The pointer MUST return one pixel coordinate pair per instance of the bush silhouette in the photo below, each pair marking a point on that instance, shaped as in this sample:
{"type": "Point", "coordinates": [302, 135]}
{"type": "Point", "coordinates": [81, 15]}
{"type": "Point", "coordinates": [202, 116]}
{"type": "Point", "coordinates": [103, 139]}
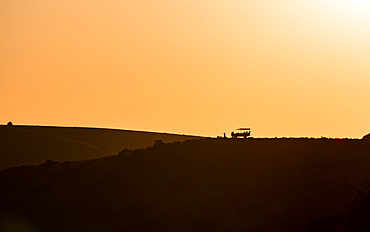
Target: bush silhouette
{"type": "Point", "coordinates": [366, 137]}
{"type": "Point", "coordinates": [356, 220]}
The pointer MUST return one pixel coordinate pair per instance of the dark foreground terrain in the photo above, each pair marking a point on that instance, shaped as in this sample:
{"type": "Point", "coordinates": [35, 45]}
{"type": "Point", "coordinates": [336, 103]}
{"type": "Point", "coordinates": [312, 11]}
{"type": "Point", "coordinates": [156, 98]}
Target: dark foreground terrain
{"type": "Point", "coordinates": [21, 145]}
{"type": "Point", "coordinates": [197, 185]}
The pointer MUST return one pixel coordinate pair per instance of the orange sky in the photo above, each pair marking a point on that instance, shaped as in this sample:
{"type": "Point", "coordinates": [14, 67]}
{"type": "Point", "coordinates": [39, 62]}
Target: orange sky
{"type": "Point", "coordinates": [283, 68]}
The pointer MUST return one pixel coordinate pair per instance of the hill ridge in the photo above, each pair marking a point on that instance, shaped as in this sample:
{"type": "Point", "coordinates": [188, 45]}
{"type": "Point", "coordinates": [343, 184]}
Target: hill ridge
{"type": "Point", "coordinates": [34, 144]}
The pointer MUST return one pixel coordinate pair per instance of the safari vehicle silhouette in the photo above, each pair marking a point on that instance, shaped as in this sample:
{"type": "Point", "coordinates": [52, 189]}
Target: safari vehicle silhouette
{"type": "Point", "coordinates": [241, 132]}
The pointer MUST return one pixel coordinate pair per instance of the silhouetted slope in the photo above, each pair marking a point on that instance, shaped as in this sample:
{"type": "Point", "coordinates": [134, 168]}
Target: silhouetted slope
{"type": "Point", "coordinates": [199, 185]}
{"type": "Point", "coordinates": [35, 144]}
{"type": "Point", "coordinates": [110, 139]}
{"type": "Point", "coordinates": [22, 147]}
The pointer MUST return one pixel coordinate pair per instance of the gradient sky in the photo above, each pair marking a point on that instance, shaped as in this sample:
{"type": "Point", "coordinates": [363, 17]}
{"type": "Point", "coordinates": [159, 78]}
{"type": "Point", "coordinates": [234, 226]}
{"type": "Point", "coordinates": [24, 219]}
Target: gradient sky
{"type": "Point", "coordinates": [283, 68]}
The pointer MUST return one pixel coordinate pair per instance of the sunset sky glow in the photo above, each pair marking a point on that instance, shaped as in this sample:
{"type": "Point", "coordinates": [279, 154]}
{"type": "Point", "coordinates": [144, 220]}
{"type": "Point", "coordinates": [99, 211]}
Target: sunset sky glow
{"type": "Point", "coordinates": [283, 68]}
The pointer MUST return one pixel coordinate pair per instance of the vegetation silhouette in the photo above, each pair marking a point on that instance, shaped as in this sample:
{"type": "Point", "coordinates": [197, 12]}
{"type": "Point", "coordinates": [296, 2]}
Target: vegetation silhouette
{"type": "Point", "coordinates": [195, 185]}
{"type": "Point", "coordinates": [355, 220]}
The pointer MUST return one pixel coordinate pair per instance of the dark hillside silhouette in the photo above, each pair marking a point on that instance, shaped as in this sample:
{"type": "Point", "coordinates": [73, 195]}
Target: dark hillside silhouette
{"type": "Point", "coordinates": [367, 137]}
{"type": "Point", "coordinates": [34, 144]}
{"type": "Point", "coordinates": [198, 185]}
